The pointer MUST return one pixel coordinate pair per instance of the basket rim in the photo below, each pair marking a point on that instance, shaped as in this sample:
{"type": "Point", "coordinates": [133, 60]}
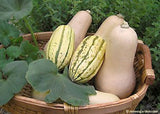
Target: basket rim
{"type": "Point", "coordinates": [127, 100]}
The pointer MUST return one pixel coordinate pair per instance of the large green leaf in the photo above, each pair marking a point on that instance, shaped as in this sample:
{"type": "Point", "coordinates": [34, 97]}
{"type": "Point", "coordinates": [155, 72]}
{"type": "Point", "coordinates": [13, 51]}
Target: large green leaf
{"type": "Point", "coordinates": [7, 31]}
{"type": "Point", "coordinates": [13, 80]}
{"type": "Point", "coordinates": [15, 8]}
{"type": "Point", "coordinates": [43, 75]}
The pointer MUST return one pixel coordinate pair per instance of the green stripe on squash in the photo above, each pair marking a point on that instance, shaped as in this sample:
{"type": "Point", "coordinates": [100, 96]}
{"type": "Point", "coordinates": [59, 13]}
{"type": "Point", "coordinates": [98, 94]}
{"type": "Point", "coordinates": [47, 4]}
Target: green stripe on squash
{"type": "Point", "coordinates": [70, 47]}
{"type": "Point", "coordinates": [85, 56]}
{"type": "Point", "coordinates": [91, 73]}
{"type": "Point", "coordinates": [60, 44]}
{"type": "Point", "coordinates": [86, 79]}
{"type": "Point", "coordinates": [74, 60]}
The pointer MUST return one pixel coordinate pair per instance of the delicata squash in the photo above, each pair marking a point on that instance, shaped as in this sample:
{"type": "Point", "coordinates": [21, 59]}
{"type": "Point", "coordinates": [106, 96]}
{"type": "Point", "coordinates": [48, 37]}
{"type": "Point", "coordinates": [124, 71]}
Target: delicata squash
{"type": "Point", "coordinates": [61, 46]}
{"type": "Point", "coordinates": [87, 59]}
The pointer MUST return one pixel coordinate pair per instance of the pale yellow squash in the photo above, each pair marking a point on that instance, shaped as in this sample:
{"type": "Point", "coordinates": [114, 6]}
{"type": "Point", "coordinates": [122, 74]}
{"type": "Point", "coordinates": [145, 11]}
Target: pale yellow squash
{"type": "Point", "coordinates": [39, 95]}
{"type": "Point", "coordinates": [102, 97]}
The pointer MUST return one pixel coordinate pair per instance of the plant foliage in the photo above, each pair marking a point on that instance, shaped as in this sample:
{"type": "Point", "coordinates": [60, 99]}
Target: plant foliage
{"type": "Point", "coordinates": [12, 80]}
{"type": "Point", "coordinates": [7, 31]}
{"type": "Point", "coordinates": [43, 76]}
{"type": "Point", "coordinates": [15, 8]}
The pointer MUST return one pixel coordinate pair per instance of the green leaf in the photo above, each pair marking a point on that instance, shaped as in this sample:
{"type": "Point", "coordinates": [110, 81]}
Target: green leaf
{"type": "Point", "coordinates": [13, 52]}
{"type": "Point", "coordinates": [158, 106]}
{"type": "Point", "coordinates": [3, 58]}
{"type": "Point", "coordinates": [16, 41]}
{"type": "Point", "coordinates": [29, 51]}
{"type": "Point", "coordinates": [7, 31]}
{"type": "Point", "coordinates": [15, 74]}
{"type": "Point", "coordinates": [2, 53]}
{"type": "Point", "coordinates": [3, 62]}
{"type": "Point", "coordinates": [0, 75]}
{"type": "Point", "coordinates": [15, 8]}
{"type": "Point", "coordinates": [65, 72]}
{"type": "Point", "coordinates": [43, 75]}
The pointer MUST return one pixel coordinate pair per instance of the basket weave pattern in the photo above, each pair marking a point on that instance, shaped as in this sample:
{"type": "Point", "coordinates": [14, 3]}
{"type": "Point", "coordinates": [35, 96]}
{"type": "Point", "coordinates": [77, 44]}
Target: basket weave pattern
{"type": "Point", "coordinates": [22, 103]}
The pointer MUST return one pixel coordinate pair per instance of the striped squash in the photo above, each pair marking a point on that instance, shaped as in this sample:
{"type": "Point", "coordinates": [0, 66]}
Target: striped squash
{"type": "Point", "coordinates": [60, 47]}
{"type": "Point", "coordinates": [87, 59]}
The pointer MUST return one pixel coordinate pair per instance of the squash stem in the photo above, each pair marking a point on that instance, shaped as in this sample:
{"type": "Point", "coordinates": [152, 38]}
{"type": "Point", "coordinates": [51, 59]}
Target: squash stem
{"type": "Point", "coordinates": [125, 25]}
{"type": "Point", "coordinates": [120, 16]}
{"type": "Point", "coordinates": [30, 30]}
{"type": "Point", "coordinates": [88, 11]}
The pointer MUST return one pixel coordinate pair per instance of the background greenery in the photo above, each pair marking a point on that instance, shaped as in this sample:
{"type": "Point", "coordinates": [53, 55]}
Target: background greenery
{"type": "Point", "coordinates": [142, 15]}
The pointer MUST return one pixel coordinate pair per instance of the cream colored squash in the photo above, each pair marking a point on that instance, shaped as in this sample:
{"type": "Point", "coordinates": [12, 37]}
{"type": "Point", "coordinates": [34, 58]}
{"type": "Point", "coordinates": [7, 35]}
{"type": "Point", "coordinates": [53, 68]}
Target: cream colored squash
{"type": "Point", "coordinates": [39, 95]}
{"type": "Point", "coordinates": [80, 24]}
{"type": "Point", "coordinates": [102, 97]}
{"type": "Point", "coordinates": [117, 73]}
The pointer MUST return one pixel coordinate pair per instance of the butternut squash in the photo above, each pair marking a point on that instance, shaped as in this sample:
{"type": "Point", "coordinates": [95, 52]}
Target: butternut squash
{"type": "Point", "coordinates": [80, 24]}
{"type": "Point", "coordinates": [107, 26]}
{"type": "Point", "coordinates": [117, 75]}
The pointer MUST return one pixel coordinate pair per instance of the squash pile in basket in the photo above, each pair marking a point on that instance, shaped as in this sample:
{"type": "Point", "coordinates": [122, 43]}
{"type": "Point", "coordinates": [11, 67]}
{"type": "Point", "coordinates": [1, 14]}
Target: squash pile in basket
{"type": "Point", "coordinates": [108, 56]}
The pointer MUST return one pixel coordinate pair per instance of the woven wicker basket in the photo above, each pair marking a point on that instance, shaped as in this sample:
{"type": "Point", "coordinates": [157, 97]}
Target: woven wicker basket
{"type": "Point", "coordinates": [24, 104]}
